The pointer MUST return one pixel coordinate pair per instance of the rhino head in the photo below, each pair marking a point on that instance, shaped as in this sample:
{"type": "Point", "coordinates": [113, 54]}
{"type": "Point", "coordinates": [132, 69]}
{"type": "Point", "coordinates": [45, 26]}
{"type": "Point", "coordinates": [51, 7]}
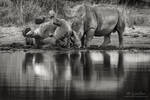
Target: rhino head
{"type": "Point", "coordinates": [77, 15]}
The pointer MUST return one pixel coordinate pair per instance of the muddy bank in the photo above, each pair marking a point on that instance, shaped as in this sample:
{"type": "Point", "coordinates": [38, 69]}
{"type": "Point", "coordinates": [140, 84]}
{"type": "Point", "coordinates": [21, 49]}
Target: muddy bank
{"type": "Point", "coordinates": [139, 38]}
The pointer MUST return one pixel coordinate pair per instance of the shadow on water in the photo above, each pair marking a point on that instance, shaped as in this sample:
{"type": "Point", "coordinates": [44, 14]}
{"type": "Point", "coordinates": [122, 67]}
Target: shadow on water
{"type": "Point", "coordinates": [74, 75]}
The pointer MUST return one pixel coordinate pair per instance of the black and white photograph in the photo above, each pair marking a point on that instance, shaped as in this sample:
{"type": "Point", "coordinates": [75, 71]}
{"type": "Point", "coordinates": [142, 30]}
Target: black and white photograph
{"type": "Point", "coordinates": [74, 49]}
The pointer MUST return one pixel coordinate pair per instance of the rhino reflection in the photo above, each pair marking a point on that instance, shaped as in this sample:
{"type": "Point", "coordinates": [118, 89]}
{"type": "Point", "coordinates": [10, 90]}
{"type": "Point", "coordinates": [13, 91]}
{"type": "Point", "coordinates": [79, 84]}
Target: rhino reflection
{"type": "Point", "coordinates": [74, 74]}
{"type": "Point", "coordinates": [98, 73]}
{"type": "Point", "coordinates": [63, 67]}
{"type": "Point", "coordinates": [76, 65]}
{"type": "Point", "coordinates": [48, 66]}
{"type": "Point", "coordinates": [108, 62]}
{"type": "Point", "coordinates": [27, 61]}
{"type": "Point", "coordinates": [106, 58]}
{"type": "Point", "coordinates": [87, 66]}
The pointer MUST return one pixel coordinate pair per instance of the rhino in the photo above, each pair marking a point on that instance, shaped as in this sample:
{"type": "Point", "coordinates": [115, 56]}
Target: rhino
{"type": "Point", "coordinates": [43, 31]}
{"type": "Point", "coordinates": [56, 32]}
{"type": "Point", "coordinates": [96, 20]}
{"type": "Point", "coordinates": [63, 36]}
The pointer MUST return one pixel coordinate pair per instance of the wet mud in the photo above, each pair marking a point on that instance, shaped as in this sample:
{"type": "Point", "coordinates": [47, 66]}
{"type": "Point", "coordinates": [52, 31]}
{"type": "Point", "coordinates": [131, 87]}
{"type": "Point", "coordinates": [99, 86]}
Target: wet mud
{"type": "Point", "coordinates": [11, 39]}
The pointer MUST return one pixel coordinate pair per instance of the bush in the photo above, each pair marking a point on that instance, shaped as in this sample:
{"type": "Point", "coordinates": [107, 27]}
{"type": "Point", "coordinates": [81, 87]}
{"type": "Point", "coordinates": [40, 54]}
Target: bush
{"type": "Point", "coordinates": [5, 3]}
{"type": "Point", "coordinates": [29, 11]}
{"type": "Point", "coordinates": [20, 12]}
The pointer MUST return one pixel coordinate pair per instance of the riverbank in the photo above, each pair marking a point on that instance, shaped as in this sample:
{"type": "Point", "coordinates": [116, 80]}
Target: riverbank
{"type": "Point", "coordinates": [139, 38]}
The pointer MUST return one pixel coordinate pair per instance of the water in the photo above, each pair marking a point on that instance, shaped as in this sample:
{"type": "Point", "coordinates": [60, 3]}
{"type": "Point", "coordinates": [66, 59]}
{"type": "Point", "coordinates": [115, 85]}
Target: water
{"type": "Point", "coordinates": [74, 75]}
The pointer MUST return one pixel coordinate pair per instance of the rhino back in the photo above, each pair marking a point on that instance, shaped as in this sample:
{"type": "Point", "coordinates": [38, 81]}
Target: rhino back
{"type": "Point", "coordinates": [107, 18]}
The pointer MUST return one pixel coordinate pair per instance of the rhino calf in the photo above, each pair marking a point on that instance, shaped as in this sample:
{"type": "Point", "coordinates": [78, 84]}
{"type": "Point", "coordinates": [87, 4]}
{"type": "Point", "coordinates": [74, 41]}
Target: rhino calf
{"type": "Point", "coordinates": [43, 31]}
{"type": "Point", "coordinates": [57, 32]}
{"type": "Point", "coordinates": [62, 36]}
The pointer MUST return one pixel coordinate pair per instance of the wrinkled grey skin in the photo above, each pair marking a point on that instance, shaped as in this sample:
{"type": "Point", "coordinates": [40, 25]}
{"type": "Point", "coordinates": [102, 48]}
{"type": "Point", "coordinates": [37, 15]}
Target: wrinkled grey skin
{"type": "Point", "coordinates": [90, 21]}
{"type": "Point", "coordinates": [56, 32]}
{"type": "Point", "coordinates": [45, 30]}
{"type": "Point", "coordinates": [62, 35]}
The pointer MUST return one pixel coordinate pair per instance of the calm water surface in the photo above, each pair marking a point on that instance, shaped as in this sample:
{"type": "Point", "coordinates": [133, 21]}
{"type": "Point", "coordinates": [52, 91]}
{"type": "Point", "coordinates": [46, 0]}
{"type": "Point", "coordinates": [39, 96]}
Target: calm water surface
{"type": "Point", "coordinates": [74, 75]}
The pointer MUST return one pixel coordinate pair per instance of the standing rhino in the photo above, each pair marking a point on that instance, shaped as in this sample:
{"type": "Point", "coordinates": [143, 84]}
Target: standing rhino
{"type": "Point", "coordinates": [90, 21]}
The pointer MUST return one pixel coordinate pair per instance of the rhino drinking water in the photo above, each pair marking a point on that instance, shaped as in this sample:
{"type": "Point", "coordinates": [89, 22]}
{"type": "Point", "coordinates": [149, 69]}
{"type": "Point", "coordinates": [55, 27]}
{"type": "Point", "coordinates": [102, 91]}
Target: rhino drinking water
{"type": "Point", "coordinates": [43, 31]}
{"type": "Point", "coordinates": [62, 35]}
{"type": "Point", "coordinates": [48, 32]}
{"type": "Point", "coordinates": [55, 33]}
{"type": "Point", "coordinates": [90, 21]}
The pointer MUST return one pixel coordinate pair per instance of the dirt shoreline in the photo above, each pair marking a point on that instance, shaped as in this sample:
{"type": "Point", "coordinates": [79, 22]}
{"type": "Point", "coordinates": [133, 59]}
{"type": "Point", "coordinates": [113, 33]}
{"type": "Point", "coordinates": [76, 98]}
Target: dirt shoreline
{"type": "Point", "coordinates": [139, 39]}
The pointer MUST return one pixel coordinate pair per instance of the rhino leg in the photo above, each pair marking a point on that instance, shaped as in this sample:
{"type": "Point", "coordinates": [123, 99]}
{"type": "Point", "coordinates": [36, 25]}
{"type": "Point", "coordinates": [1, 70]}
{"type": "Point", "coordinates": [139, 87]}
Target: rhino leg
{"type": "Point", "coordinates": [106, 40]}
{"type": "Point", "coordinates": [120, 27]}
{"type": "Point", "coordinates": [83, 41]}
{"type": "Point", "coordinates": [120, 30]}
{"type": "Point", "coordinates": [89, 37]}
{"type": "Point", "coordinates": [120, 39]}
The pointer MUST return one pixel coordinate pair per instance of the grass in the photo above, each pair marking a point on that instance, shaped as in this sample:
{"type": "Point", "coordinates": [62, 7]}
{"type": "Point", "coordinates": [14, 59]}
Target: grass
{"type": "Point", "coordinates": [21, 12]}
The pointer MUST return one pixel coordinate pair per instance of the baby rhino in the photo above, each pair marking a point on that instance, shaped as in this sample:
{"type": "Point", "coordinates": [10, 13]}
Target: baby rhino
{"type": "Point", "coordinates": [63, 35]}
{"type": "Point", "coordinates": [43, 31]}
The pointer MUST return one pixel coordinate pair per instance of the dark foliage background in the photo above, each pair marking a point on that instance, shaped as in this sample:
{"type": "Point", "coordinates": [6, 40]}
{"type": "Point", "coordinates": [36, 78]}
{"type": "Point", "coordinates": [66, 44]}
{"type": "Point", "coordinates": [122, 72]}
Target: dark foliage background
{"type": "Point", "coordinates": [20, 12]}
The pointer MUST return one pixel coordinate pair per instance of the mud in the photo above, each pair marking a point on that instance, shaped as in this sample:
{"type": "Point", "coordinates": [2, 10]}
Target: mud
{"type": "Point", "coordinates": [139, 38]}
